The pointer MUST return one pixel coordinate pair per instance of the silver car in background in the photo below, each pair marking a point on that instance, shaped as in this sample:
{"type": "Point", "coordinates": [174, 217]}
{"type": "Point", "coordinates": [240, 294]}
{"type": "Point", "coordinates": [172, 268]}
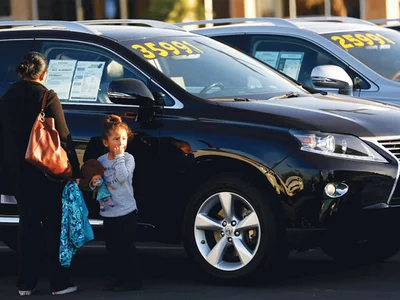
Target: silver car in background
{"type": "Point", "coordinates": [334, 54]}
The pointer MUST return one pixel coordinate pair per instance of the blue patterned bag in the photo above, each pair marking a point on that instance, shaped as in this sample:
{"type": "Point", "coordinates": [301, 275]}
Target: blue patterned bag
{"type": "Point", "coordinates": [75, 226]}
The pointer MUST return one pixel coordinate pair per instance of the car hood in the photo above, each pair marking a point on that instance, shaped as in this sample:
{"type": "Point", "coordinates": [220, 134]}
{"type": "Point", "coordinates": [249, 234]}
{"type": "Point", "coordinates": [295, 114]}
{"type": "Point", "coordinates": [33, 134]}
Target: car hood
{"type": "Point", "coordinates": [330, 113]}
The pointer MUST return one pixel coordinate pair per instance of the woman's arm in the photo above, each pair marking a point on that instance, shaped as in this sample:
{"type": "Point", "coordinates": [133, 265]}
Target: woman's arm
{"type": "Point", "coordinates": [54, 109]}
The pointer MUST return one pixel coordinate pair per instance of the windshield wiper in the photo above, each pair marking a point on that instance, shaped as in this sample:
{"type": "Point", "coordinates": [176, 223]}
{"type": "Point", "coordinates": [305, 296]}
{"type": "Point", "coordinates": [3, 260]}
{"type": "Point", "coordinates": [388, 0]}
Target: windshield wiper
{"type": "Point", "coordinates": [285, 96]}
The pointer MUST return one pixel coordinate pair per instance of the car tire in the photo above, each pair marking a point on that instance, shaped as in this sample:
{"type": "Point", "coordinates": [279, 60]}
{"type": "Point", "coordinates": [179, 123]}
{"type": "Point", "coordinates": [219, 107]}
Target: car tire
{"type": "Point", "coordinates": [230, 231]}
{"type": "Point", "coordinates": [362, 252]}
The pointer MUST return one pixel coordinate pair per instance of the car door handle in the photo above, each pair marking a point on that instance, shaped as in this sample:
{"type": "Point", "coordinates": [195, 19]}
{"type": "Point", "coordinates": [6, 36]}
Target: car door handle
{"type": "Point", "coordinates": [130, 115]}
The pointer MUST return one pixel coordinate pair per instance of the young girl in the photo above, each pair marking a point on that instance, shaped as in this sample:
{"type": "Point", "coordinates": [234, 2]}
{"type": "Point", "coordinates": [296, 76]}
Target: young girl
{"type": "Point", "coordinates": [120, 221]}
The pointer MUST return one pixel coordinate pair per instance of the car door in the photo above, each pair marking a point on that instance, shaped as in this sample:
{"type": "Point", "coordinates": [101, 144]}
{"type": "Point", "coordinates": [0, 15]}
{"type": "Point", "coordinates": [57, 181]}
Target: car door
{"type": "Point", "coordinates": [80, 73]}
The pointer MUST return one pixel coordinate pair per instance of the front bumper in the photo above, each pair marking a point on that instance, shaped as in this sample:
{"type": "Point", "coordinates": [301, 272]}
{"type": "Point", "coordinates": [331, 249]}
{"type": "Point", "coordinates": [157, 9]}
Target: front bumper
{"type": "Point", "coordinates": [379, 221]}
{"type": "Point", "coordinates": [306, 205]}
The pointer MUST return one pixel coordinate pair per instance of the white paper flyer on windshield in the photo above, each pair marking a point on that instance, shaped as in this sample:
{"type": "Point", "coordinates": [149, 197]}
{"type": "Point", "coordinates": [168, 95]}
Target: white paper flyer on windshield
{"type": "Point", "coordinates": [59, 76]}
{"type": "Point", "coordinates": [86, 83]}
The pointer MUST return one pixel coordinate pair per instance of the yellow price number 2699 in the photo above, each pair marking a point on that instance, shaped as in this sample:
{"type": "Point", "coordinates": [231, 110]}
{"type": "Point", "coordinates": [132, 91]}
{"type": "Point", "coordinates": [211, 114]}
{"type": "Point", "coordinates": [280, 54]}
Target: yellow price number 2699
{"type": "Point", "coordinates": [151, 50]}
{"type": "Point", "coordinates": [348, 41]}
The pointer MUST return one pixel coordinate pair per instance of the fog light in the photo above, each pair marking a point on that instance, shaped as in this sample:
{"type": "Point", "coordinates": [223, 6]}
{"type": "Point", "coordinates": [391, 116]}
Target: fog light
{"type": "Point", "coordinates": [336, 189]}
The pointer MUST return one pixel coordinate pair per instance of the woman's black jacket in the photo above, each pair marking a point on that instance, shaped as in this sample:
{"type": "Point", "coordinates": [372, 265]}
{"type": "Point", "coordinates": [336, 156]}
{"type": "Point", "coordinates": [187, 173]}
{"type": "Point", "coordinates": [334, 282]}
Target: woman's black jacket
{"type": "Point", "coordinates": [19, 107]}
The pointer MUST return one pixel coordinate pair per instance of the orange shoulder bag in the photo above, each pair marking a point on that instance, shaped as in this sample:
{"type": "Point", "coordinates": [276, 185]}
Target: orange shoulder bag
{"type": "Point", "coordinates": [44, 149]}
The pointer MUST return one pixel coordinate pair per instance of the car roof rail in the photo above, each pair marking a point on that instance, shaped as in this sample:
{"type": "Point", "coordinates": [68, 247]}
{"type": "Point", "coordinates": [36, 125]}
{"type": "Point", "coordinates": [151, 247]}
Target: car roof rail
{"type": "Point", "coordinates": [73, 26]}
{"type": "Point", "coordinates": [383, 21]}
{"type": "Point", "coordinates": [272, 20]}
{"type": "Point", "coordinates": [134, 22]}
{"type": "Point", "coordinates": [332, 19]}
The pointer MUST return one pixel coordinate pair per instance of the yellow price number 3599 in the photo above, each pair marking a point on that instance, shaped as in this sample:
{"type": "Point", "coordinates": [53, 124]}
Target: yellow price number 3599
{"type": "Point", "coordinates": [163, 49]}
{"type": "Point", "coordinates": [348, 41]}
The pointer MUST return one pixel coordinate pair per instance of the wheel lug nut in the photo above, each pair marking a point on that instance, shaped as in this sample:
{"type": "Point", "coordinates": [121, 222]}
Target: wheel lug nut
{"type": "Point", "coordinates": [233, 223]}
{"type": "Point", "coordinates": [229, 239]}
{"type": "Point", "coordinates": [224, 223]}
{"type": "Point", "coordinates": [222, 233]}
{"type": "Point", "coordinates": [237, 233]}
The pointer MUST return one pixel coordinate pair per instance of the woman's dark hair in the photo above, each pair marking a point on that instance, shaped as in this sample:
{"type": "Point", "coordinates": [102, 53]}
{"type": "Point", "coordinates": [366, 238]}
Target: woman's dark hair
{"type": "Point", "coordinates": [113, 122]}
{"type": "Point", "coordinates": [32, 65]}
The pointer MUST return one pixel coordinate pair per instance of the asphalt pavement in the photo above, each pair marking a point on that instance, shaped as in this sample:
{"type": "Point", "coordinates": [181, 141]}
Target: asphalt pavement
{"type": "Point", "coordinates": [168, 274]}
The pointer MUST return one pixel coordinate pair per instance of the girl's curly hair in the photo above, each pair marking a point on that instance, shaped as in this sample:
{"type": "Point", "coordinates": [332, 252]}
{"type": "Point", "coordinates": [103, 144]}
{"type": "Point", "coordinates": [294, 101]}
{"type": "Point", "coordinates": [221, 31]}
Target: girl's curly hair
{"type": "Point", "coordinates": [112, 122]}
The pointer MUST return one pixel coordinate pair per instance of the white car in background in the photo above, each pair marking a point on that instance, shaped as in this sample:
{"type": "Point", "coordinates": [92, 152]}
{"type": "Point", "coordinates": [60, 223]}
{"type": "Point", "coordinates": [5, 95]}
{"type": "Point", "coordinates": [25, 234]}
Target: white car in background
{"type": "Point", "coordinates": [335, 54]}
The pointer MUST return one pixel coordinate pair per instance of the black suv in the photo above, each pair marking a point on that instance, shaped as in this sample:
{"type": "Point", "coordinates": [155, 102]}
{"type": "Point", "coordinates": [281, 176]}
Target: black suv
{"type": "Point", "coordinates": [233, 160]}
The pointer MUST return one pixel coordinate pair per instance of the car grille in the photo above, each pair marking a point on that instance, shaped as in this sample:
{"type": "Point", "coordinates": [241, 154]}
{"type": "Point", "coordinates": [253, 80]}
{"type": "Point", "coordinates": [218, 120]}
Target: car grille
{"type": "Point", "coordinates": [393, 145]}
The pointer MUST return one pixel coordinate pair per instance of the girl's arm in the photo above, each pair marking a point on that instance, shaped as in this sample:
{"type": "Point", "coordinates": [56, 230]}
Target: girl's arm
{"type": "Point", "coordinates": [124, 166]}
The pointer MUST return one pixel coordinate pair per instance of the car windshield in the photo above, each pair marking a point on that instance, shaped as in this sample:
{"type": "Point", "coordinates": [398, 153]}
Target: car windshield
{"type": "Point", "coordinates": [211, 70]}
{"type": "Point", "coordinates": [379, 49]}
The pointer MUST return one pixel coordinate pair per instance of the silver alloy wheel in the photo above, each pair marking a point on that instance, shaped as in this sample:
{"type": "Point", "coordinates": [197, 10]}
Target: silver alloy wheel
{"type": "Point", "coordinates": [227, 231]}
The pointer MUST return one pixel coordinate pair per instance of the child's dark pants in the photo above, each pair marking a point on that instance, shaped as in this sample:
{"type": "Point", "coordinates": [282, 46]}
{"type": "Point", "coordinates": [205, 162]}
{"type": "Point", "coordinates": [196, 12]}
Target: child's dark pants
{"type": "Point", "coordinates": [120, 234]}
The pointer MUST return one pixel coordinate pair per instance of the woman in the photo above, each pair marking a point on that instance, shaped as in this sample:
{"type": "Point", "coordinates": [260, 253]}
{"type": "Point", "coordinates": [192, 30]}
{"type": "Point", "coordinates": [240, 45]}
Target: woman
{"type": "Point", "coordinates": [39, 199]}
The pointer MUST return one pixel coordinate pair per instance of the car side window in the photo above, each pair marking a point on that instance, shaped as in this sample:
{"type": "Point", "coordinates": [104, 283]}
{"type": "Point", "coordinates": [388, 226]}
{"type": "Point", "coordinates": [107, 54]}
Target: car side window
{"type": "Point", "coordinates": [297, 58]}
{"type": "Point", "coordinates": [240, 42]}
{"type": "Point", "coordinates": [12, 52]}
{"type": "Point", "coordinates": [81, 73]}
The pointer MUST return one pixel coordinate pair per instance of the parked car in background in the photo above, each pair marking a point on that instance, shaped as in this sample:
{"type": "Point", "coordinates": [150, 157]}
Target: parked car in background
{"type": "Point", "coordinates": [233, 160]}
{"type": "Point", "coordinates": [335, 54]}
{"type": "Point", "coordinates": [388, 23]}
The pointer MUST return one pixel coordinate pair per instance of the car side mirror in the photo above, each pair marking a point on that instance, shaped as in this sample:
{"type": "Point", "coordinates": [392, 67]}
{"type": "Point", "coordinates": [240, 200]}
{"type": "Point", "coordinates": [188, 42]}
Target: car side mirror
{"type": "Point", "coordinates": [130, 91]}
{"type": "Point", "coordinates": [334, 77]}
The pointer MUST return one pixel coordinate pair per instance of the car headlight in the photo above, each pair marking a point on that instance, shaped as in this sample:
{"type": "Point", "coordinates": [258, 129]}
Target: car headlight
{"type": "Point", "coordinates": [336, 145]}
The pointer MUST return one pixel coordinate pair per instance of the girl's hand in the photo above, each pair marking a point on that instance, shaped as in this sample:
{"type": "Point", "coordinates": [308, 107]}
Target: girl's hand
{"type": "Point", "coordinates": [119, 150]}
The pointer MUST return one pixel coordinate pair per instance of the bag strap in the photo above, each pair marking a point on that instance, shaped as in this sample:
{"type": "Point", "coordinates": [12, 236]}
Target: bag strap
{"type": "Point", "coordinates": [46, 94]}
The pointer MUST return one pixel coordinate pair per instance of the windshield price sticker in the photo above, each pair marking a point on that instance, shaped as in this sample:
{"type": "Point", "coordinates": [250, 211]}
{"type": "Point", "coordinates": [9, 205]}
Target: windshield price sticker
{"type": "Point", "coordinates": [164, 49]}
{"type": "Point", "coordinates": [348, 41]}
